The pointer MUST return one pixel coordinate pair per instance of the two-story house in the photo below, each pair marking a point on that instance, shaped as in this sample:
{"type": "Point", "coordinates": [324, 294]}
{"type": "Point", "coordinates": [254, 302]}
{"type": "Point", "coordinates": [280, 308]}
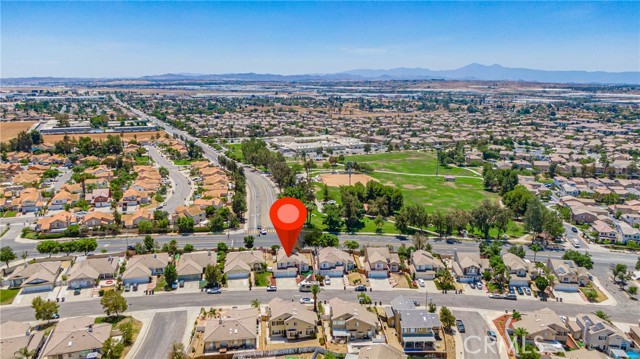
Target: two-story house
{"type": "Point", "coordinates": [569, 277]}
{"type": "Point", "coordinates": [518, 270]}
{"type": "Point", "coordinates": [418, 331]}
{"type": "Point", "coordinates": [195, 212]}
{"type": "Point", "coordinates": [236, 329]}
{"type": "Point", "coordinates": [97, 219]}
{"type": "Point", "coordinates": [543, 325]}
{"type": "Point", "coordinates": [424, 265]}
{"type": "Point", "coordinates": [333, 262]}
{"type": "Point", "coordinates": [351, 320]}
{"type": "Point", "coordinates": [379, 261]}
{"type": "Point", "coordinates": [61, 199]}
{"type": "Point", "coordinates": [468, 267]}
{"type": "Point", "coordinates": [598, 334]}
{"type": "Point", "coordinates": [290, 266]}
{"type": "Point", "coordinates": [98, 197]}
{"type": "Point", "coordinates": [290, 319]}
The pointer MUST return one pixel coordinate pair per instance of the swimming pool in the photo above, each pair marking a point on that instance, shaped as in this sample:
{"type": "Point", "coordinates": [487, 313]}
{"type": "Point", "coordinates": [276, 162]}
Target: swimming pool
{"type": "Point", "coordinates": [633, 355]}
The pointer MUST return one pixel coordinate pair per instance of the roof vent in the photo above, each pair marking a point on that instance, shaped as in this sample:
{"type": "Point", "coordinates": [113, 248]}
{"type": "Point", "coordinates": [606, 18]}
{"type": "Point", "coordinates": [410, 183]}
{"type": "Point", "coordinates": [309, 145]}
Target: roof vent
{"type": "Point", "coordinates": [70, 343]}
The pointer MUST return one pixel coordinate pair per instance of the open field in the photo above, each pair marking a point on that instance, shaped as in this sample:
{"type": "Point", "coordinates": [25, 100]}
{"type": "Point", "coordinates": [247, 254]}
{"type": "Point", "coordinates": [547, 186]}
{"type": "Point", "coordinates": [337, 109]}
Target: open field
{"type": "Point", "coordinates": [9, 130]}
{"type": "Point", "coordinates": [342, 179]}
{"type": "Point", "coordinates": [51, 139]}
{"type": "Point", "coordinates": [416, 162]}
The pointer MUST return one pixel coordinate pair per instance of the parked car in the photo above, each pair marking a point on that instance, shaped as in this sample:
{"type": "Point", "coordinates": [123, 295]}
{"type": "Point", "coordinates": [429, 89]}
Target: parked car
{"type": "Point", "coordinates": [460, 326]}
{"type": "Point", "coordinates": [181, 283]}
{"type": "Point", "coordinates": [214, 291]}
{"type": "Point", "coordinates": [56, 316]}
{"type": "Point", "coordinates": [520, 291]}
{"type": "Point", "coordinates": [327, 281]}
{"type": "Point", "coordinates": [479, 285]}
{"type": "Point", "coordinates": [127, 287]}
{"type": "Point", "coordinates": [272, 288]}
{"type": "Point", "coordinates": [491, 334]}
{"type": "Point", "coordinates": [472, 285]}
{"type": "Point", "coordinates": [527, 291]}
{"type": "Point", "coordinates": [360, 288]}
{"type": "Point", "coordinates": [76, 291]}
{"type": "Point", "coordinates": [263, 232]}
{"type": "Point", "coordinates": [495, 296]}
{"type": "Point", "coordinates": [421, 282]}
{"type": "Point", "coordinates": [174, 285]}
{"type": "Point", "coordinates": [574, 229]}
{"type": "Point", "coordinates": [306, 301]}
{"type": "Point", "coordinates": [510, 297]}
{"type": "Point", "coordinates": [451, 241]}
{"type": "Point", "coordinates": [135, 287]}
{"type": "Point", "coordinates": [512, 290]}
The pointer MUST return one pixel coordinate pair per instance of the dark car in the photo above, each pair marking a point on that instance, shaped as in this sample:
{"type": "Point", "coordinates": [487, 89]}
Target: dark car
{"type": "Point", "coordinates": [135, 287]}
{"type": "Point", "coordinates": [361, 288]}
{"type": "Point", "coordinates": [574, 229]}
{"type": "Point", "coordinates": [512, 290]}
{"type": "Point", "coordinates": [520, 291]}
{"type": "Point", "coordinates": [460, 325]}
{"type": "Point", "coordinates": [181, 283]}
{"type": "Point", "coordinates": [451, 241]}
{"type": "Point", "coordinates": [76, 291]}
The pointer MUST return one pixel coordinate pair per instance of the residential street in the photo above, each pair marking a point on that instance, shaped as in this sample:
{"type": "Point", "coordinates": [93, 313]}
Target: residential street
{"type": "Point", "coordinates": [165, 329]}
{"type": "Point", "coordinates": [181, 189]}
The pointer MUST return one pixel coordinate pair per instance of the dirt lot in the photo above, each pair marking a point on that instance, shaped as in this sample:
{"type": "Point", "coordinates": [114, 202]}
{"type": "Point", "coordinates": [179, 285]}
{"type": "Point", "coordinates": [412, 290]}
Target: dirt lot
{"type": "Point", "coordinates": [51, 139]}
{"type": "Point", "coordinates": [9, 130]}
{"type": "Point", "coordinates": [342, 179]}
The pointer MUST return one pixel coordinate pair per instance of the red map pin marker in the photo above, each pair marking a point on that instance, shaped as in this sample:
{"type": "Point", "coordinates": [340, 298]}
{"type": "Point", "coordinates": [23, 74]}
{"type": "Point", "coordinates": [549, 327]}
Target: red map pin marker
{"type": "Point", "coordinates": [288, 215]}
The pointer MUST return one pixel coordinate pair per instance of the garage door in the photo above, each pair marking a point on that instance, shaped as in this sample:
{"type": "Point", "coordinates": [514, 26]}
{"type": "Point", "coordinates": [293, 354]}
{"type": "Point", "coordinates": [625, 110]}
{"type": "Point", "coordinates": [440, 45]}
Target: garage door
{"type": "Point", "coordinates": [136, 280]}
{"type": "Point", "coordinates": [332, 273]}
{"type": "Point", "coordinates": [378, 274]}
{"type": "Point", "coordinates": [237, 275]}
{"type": "Point", "coordinates": [81, 284]}
{"type": "Point", "coordinates": [566, 288]}
{"type": "Point", "coordinates": [189, 277]}
{"type": "Point", "coordinates": [38, 288]}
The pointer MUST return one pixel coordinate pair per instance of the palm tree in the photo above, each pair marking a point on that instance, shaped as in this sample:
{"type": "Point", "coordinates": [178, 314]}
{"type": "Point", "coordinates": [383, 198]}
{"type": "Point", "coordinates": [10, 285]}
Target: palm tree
{"type": "Point", "coordinates": [24, 353]}
{"type": "Point", "coordinates": [516, 315]}
{"type": "Point", "coordinates": [255, 303]}
{"type": "Point", "coordinates": [315, 289]}
{"type": "Point", "coordinates": [419, 241]}
{"type": "Point", "coordinates": [602, 315]}
{"type": "Point", "coordinates": [519, 335]}
{"type": "Point", "coordinates": [535, 248]}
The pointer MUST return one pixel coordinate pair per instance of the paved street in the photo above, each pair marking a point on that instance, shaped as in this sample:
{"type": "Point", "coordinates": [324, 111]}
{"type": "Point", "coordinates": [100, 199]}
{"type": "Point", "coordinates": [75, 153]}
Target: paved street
{"type": "Point", "coordinates": [181, 189]}
{"type": "Point", "coordinates": [165, 329]}
{"type": "Point", "coordinates": [475, 327]}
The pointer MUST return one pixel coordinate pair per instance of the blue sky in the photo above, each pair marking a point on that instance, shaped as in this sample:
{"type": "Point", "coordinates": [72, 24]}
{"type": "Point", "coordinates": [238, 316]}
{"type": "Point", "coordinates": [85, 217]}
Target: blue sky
{"type": "Point", "coordinates": [109, 39]}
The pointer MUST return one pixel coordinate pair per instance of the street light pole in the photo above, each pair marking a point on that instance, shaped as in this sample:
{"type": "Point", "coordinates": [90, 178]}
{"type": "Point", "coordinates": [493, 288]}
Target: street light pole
{"type": "Point", "coordinates": [437, 160]}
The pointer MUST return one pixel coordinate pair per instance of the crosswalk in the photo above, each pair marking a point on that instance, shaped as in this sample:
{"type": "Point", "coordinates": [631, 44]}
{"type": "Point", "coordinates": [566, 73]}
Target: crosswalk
{"type": "Point", "coordinates": [256, 231]}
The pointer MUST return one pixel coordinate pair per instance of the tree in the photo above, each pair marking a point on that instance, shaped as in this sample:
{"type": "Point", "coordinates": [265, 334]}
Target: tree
{"type": "Point", "coordinates": [517, 200]}
{"type": "Point", "coordinates": [127, 330]}
{"type": "Point", "coordinates": [248, 241]}
{"type": "Point", "coordinates": [112, 349]}
{"type": "Point", "coordinates": [315, 289]}
{"type": "Point", "coordinates": [177, 351]}
{"type": "Point", "coordinates": [68, 247]}
{"type": "Point", "coordinates": [185, 224]}
{"type": "Point", "coordinates": [216, 224]}
{"type": "Point", "coordinates": [602, 315]}
{"type": "Point", "coordinates": [47, 247]}
{"type": "Point", "coordinates": [633, 290]}
{"type": "Point", "coordinates": [379, 222]}
{"type": "Point", "coordinates": [86, 245]}
{"type": "Point", "coordinates": [255, 303]}
{"type": "Point", "coordinates": [188, 248]}
{"type": "Point", "coordinates": [212, 274]}
{"type": "Point", "coordinates": [222, 247]}
{"type": "Point", "coordinates": [149, 243]}
{"type": "Point", "coordinates": [351, 245]}
{"type": "Point", "coordinates": [164, 172]}
{"type": "Point", "coordinates": [484, 216]}
{"type": "Point", "coordinates": [431, 308]}
{"type": "Point", "coordinates": [534, 217]}
{"type": "Point", "coordinates": [542, 283]}
{"type": "Point", "coordinates": [239, 204]}
{"type": "Point", "coordinates": [591, 295]}
{"type": "Point", "coordinates": [520, 333]}
{"type": "Point", "coordinates": [517, 250]}
{"type": "Point", "coordinates": [24, 353]}
{"type": "Point", "coordinates": [553, 224]}
{"type": "Point", "coordinates": [447, 319]}
{"type": "Point", "coordinates": [620, 273]}
{"type": "Point", "coordinates": [113, 303]}
{"type": "Point", "coordinates": [490, 249]}
{"type": "Point", "coordinates": [45, 310]}
{"type": "Point", "coordinates": [332, 219]}
{"type": "Point", "coordinates": [170, 274]}
{"type": "Point", "coordinates": [7, 255]}
{"type": "Point", "coordinates": [582, 260]}
{"type": "Point", "coordinates": [419, 241]}
{"type": "Point", "coordinates": [535, 248]}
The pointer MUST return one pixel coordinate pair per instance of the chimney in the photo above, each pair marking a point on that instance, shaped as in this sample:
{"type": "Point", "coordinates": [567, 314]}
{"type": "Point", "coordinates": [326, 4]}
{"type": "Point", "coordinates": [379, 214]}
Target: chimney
{"type": "Point", "coordinates": [90, 328]}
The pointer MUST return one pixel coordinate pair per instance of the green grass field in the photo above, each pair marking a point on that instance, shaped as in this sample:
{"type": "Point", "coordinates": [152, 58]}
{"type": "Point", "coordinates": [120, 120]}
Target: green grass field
{"type": "Point", "coordinates": [236, 149]}
{"type": "Point", "coordinates": [8, 295]}
{"type": "Point", "coordinates": [417, 162]}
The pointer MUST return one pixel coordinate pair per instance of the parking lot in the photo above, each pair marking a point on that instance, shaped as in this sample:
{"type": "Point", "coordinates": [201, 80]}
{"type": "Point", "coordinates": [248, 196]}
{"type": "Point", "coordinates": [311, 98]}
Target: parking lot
{"type": "Point", "coordinates": [286, 283]}
{"type": "Point", "coordinates": [238, 284]}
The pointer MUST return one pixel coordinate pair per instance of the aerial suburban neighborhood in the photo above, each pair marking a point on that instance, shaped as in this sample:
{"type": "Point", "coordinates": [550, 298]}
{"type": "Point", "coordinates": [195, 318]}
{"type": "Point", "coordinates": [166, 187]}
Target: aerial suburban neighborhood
{"type": "Point", "coordinates": [479, 212]}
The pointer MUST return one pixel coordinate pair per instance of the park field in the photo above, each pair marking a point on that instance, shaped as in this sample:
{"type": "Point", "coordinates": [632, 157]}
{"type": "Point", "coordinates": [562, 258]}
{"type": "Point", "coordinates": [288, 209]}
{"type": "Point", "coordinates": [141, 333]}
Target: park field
{"type": "Point", "coordinates": [413, 162]}
{"type": "Point", "coordinates": [9, 130]}
{"type": "Point", "coordinates": [51, 139]}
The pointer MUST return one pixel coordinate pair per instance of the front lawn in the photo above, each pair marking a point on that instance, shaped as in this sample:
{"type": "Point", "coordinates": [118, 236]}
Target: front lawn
{"type": "Point", "coordinates": [181, 162]}
{"type": "Point", "coordinates": [262, 279]}
{"type": "Point", "coordinates": [10, 214]}
{"type": "Point", "coordinates": [8, 295]}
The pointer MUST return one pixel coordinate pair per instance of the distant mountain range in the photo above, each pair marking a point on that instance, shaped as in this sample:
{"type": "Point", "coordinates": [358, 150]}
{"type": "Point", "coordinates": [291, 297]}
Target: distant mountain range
{"type": "Point", "coordinates": [470, 72]}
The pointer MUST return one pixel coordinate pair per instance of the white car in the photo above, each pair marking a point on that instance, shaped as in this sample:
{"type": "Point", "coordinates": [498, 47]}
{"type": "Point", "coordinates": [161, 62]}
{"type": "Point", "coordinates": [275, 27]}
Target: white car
{"type": "Point", "coordinates": [263, 232]}
{"type": "Point", "coordinates": [421, 282]}
{"type": "Point", "coordinates": [327, 281]}
{"type": "Point", "coordinates": [306, 301]}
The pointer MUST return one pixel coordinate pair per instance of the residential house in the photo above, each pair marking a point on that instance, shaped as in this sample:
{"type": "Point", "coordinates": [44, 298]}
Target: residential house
{"type": "Point", "coordinates": [85, 272]}
{"type": "Point", "coordinates": [333, 262]}
{"type": "Point", "coordinates": [15, 336]}
{"type": "Point", "coordinates": [468, 267]}
{"type": "Point", "coordinates": [380, 351]}
{"type": "Point", "coordinates": [379, 261]}
{"type": "Point", "coordinates": [518, 270]}
{"type": "Point", "coordinates": [424, 265]}
{"type": "Point", "coordinates": [134, 197]}
{"type": "Point", "coordinates": [543, 325]}
{"type": "Point", "coordinates": [291, 319]}
{"type": "Point", "coordinates": [191, 266]}
{"type": "Point", "coordinates": [98, 197]}
{"type": "Point", "coordinates": [352, 321]}
{"type": "Point", "coordinates": [240, 264]}
{"type": "Point", "coordinates": [56, 223]}
{"type": "Point", "coordinates": [29, 200]}
{"type": "Point", "coordinates": [605, 232]}
{"type": "Point", "coordinates": [132, 220]}
{"type": "Point", "coordinates": [569, 277]}
{"type": "Point", "coordinates": [198, 214]}
{"type": "Point", "coordinates": [76, 338]}
{"type": "Point", "coordinates": [628, 233]}
{"type": "Point", "coordinates": [598, 334]}
{"type": "Point", "coordinates": [35, 277]}
{"type": "Point", "coordinates": [61, 199]}
{"type": "Point", "coordinates": [290, 266]}
{"type": "Point", "coordinates": [97, 219]}
{"type": "Point", "coordinates": [140, 268]}
{"type": "Point", "coordinates": [235, 329]}
{"type": "Point", "coordinates": [418, 331]}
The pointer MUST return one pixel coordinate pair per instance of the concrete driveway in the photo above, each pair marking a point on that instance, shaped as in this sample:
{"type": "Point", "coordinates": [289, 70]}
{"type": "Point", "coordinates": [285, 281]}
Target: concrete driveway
{"type": "Point", "coordinates": [286, 283]}
{"type": "Point", "coordinates": [380, 284]}
{"type": "Point", "coordinates": [238, 284]}
{"type": "Point", "coordinates": [85, 293]}
{"type": "Point", "coordinates": [165, 329]}
{"type": "Point", "coordinates": [336, 284]}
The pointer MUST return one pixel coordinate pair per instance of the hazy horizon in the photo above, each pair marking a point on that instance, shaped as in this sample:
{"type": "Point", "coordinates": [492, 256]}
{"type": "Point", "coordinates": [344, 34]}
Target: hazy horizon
{"type": "Point", "coordinates": [133, 39]}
